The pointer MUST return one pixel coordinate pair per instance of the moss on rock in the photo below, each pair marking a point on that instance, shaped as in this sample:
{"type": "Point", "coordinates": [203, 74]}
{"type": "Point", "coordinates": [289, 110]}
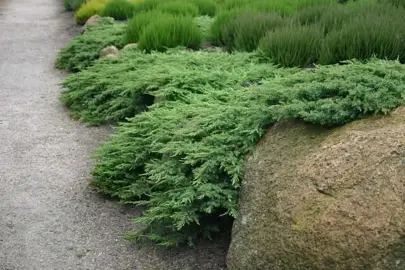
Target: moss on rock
{"type": "Point", "coordinates": [324, 198]}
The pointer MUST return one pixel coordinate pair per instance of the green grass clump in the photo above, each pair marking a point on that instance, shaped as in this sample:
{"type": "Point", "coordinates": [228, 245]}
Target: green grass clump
{"type": "Point", "coordinates": [119, 9]}
{"type": "Point", "coordinates": [170, 32]}
{"type": "Point", "coordinates": [138, 23]}
{"type": "Point", "coordinates": [222, 22]}
{"type": "Point", "coordinates": [246, 30]}
{"type": "Point", "coordinates": [205, 7]}
{"type": "Point", "coordinates": [365, 37]}
{"type": "Point", "coordinates": [148, 5]}
{"type": "Point", "coordinates": [313, 14]}
{"type": "Point", "coordinates": [114, 89]}
{"type": "Point", "coordinates": [83, 50]}
{"type": "Point", "coordinates": [295, 45]}
{"type": "Point", "coordinates": [184, 159]}
{"type": "Point", "coordinates": [179, 8]}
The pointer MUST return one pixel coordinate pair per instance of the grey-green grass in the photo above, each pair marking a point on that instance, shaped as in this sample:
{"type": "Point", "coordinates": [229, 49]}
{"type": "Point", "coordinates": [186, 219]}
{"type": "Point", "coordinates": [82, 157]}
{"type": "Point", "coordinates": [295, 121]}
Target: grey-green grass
{"type": "Point", "coordinates": [84, 49]}
{"type": "Point", "coordinates": [184, 159]}
{"type": "Point", "coordinates": [114, 89]}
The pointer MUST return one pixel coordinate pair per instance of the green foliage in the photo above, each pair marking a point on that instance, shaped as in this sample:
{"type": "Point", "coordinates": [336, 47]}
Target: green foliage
{"type": "Point", "coordinates": [148, 5]}
{"type": "Point", "coordinates": [119, 9]}
{"type": "Point", "coordinates": [170, 32]}
{"type": "Point", "coordinates": [223, 21]}
{"type": "Point", "coordinates": [205, 7]}
{"type": "Point", "coordinates": [377, 33]}
{"type": "Point", "coordinates": [114, 89]}
{"type": "Point", "coordinates": [286, 7]}
{"type": "Point", "coordinates": [329, 34]}
{"type": "Point", "coordinates": [184, 159]}
{"type": "Point", "coordinates": [84, 49]}
{"type": "Point", "coordinates": [179, 8]}
{"type": "Point", "coordinates": [90, 8]}
{"type": "Point", "coordinates": [283, 7]}
{"type": "Point", "coordinates": [242, 23]}
{"type": "Point", "coordinates": [138, 23]}
{"type": "Point", "coordinates": [246, 30]}
{"type": "Point", "coordinates": [313, 14]}
{"type": "Point", "coordinates": [293, 45]}
{"type": "Point", "coordinates": [204, 23]}
{"type": "Point", "coordinates": [397, 3]}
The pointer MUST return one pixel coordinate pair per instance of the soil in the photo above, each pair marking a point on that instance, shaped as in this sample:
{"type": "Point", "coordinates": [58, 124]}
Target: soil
{"type": "Point", "coordinates": [49, 217]}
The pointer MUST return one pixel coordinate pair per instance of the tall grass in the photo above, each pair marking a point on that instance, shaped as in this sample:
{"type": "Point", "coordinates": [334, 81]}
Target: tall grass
{"type": "Point", "coordinates": [119, 9]}
{"type": "Point", "coordinates": [139, 22]}
{"type": "Point", "coordinates": [73, 4]}
{"type": "Point", "coordinates": [246, 30]}
{"type": "Point", "coordinates": [371, 35]}
{"type": "Point", "coordinates": [294, 45]}
{"type": "Point", "coordinates": [222, 22]}
{"type": "Point", "coordinates": [179, 8]}
{"type": "Point", "coordinates": [169, 32]}
{"type": "Point", "coordinates": [205, 7]}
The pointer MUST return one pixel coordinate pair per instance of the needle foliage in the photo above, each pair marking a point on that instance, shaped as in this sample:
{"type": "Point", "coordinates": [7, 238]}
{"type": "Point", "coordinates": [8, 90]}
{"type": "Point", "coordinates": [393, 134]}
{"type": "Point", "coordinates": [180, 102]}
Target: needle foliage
{"type": "Point", "coordinates": [184, 159]}
{"type": "Point", "coordinates": [114, 89]}
{"type": "Point", "coordinates": [83, 50]}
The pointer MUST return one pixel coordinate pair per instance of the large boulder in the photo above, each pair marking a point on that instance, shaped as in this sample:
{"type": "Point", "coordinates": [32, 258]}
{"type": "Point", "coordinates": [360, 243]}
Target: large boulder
{"type": "Point", "coordinates": [315, 198]}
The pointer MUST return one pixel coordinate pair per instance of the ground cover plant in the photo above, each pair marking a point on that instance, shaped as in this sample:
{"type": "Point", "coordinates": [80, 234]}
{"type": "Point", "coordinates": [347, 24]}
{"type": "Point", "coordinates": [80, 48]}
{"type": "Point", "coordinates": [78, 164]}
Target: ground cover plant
{"type": "Point", "coordinates": [184, 159]}
{"type": "Point", "coordinates": [83, 50]}
{"type": "Point", "coordinates": [114, 89]}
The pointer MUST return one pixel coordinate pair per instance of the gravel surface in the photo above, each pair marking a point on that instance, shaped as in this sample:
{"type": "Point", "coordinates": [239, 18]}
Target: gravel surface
{"type": "Point", "coordinates": [49, 217]}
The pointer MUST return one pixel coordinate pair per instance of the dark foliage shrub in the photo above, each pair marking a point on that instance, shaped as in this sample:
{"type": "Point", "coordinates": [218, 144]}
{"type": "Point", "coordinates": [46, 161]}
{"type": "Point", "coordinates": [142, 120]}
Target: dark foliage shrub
{"type": "Point", "coordinates": [293, 45]}
{"type": "Point", "coordinates": [382, 36]}
{"type": "Point", "coordinates": [218, 35]}
{"type": "Point", "coordinates": [170, 32]}
{"type": "Point", "coordinates": [246, 30]}
{"type": "Point", "coordinates": [119, 9]}
{"type": "Point", "coordinates": [313, 14]}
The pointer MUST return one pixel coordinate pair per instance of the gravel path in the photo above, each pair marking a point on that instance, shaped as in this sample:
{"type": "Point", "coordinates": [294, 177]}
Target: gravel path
{"type": "Point", "coordinates": [49, 218]}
